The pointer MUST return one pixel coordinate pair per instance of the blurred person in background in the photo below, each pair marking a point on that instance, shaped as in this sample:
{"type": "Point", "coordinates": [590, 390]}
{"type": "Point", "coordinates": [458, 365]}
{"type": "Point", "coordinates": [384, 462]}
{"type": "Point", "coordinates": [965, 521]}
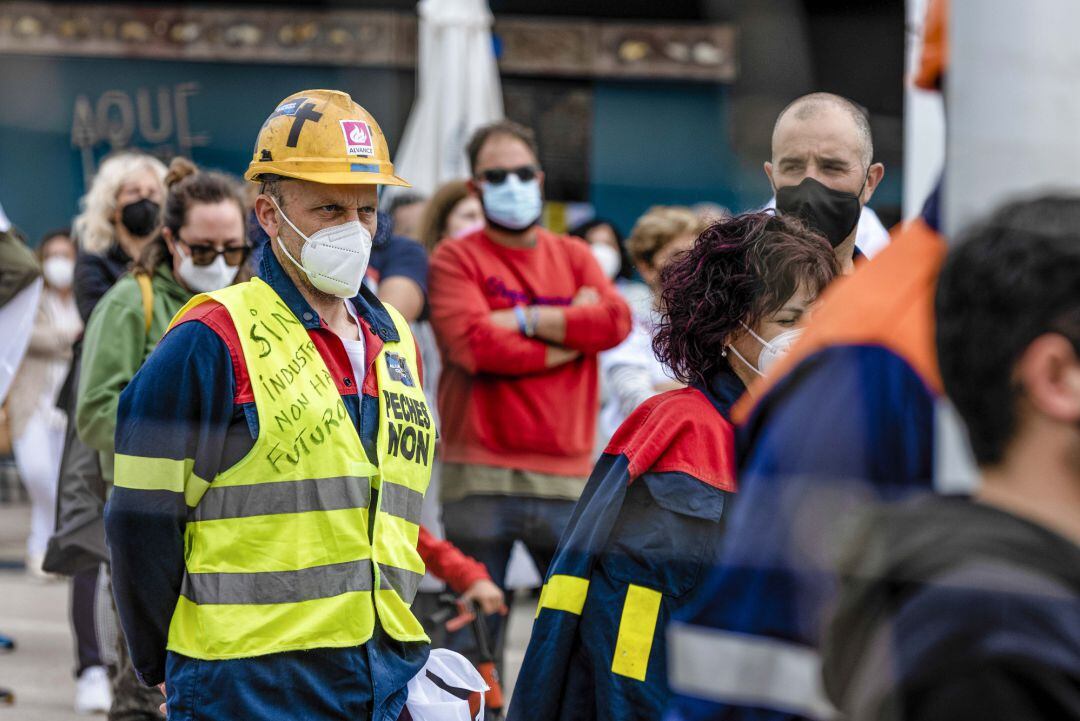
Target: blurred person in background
{"type": "Point", "coordinates": [452, 212]}
{"type": "Point", "coordinates": [649, 522]}
{"type": "Point", "coordinates": [969, 608]}
{"type": "Point", "coordinates": [397, 270]}
{"type": "Point", "coordinates": [406, 212]}
{"type": "Point", "coordinates": [201, 246]}
{"type": "Point", "coordinates": [822, 168]}
{"type": "Point", "coordinates": [120, 214]}
{"type": "Point", "coordinates": [606, 244]}
{"type": "Point", "coordinates": [609, 248]}
{"type": "Point", "coordinates": [520, 315]}
{"type": "Point", "coordinates": [37, 424]}
{"type": "Point", "coordinates": [20, 287]}
{"type": "Point", "coordinates": [631, 372]}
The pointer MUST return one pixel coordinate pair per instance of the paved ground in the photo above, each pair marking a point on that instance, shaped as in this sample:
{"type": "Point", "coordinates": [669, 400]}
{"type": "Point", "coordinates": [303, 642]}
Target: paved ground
{"type": "Point", "coordinates": [36, 614]}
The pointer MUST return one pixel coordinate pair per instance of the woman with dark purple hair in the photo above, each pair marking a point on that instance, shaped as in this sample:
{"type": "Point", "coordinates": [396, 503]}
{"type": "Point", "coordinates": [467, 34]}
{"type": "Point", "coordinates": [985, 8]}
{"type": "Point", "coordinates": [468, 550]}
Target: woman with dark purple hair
{"type": "Point", "coordinates": [648, 524]}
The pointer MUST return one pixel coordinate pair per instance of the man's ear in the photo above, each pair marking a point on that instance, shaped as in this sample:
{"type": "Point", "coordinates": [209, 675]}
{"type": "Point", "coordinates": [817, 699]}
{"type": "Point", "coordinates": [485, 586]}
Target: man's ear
{"type": "Point", "coordinates": [267, 215]}
{"type": "Point", "coordinates": [768, 174]}
{"type": "Point", "coordinates": [1049, 372]}
{"type": "Point", "coordinates": [473, 186]}
{"type": "Point", "coordinates": [874, 175]}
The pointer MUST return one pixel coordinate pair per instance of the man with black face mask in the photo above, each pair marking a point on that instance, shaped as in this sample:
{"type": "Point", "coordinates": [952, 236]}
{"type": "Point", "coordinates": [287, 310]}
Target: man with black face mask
{"type": "Point", "coordinates": [822, 167]}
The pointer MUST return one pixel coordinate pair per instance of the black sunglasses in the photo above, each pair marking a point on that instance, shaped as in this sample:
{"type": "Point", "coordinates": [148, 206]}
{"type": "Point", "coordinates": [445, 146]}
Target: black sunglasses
{"type": "Point", "coordinates": [207, 254]}
{"type": "Point", "coordinates": [497, 176]}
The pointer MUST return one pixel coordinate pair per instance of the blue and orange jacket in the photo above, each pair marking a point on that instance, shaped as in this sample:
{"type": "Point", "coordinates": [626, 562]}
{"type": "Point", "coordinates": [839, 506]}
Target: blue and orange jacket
{"type": "Point", "coordinates": [846, 419]}
{"type": "Point", "coordinates": [192, 399]}
{"type": "Point", "coordinates": [646, 529]}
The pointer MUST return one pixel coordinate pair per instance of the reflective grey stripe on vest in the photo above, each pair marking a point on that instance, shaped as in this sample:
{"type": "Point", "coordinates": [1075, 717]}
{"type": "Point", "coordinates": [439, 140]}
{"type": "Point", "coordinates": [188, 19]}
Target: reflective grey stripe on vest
{"type": "Point", "coordinates": [306, 584]}
{"type": "Point", "coordinates": [397, 500]}
{"type": "Point", "coordinates": [743, 670]}
{"type": "Point", "coordinates": [400, 580]}
{"type": "Point", "coordinates": [260, 499]}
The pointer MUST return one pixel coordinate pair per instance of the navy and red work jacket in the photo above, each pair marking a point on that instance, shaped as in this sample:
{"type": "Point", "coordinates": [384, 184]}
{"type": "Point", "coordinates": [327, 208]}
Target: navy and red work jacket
{"type": "Point", "coordinates": [192, 399]}
{"type": "Point", "coordinates": [651, 517]}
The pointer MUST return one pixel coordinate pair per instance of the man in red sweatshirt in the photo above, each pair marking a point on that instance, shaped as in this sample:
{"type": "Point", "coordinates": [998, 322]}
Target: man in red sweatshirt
{"type": "Point", "coordinates": [520, 315]}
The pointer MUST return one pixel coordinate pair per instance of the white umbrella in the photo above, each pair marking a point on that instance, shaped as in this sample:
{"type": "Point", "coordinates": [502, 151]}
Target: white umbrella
{"type": "Point", "coordinates": [457, 91]}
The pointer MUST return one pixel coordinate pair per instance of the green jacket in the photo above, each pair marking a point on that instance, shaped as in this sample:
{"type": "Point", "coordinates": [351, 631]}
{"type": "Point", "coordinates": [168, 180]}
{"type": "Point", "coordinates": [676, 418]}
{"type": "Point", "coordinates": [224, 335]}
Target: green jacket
{"type": "Point", "coordinates": [114, 347]}
{"type": "Point", "coordinates": [18, 265]}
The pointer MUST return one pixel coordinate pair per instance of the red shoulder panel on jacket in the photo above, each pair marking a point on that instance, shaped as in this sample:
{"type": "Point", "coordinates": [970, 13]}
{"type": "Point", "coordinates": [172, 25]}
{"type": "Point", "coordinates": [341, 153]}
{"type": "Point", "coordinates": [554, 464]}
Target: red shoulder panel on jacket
{"type": "Point", "coordinates": [216, 317]}
{"type": "Point", "coordinates": [678, 431]}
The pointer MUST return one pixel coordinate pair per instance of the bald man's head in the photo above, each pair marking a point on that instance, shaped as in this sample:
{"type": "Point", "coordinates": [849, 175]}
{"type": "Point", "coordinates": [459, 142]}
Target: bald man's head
{"type": "Point", "coordinates": [812, 106]}
{"type": "Point", "coordinates": [826, 139]}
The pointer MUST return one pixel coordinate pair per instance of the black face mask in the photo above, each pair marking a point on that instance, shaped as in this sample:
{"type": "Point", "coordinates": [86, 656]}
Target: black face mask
{"type": "Point", "coordinates": [833, 213]}
{"type": "Point", "coordinates": [140, 217]}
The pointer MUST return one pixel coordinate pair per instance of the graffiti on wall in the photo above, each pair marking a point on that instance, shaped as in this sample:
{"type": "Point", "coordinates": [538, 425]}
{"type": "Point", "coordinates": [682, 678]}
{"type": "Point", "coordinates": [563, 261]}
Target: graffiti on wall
{"type": "Point", "coordinates": [157, 119]}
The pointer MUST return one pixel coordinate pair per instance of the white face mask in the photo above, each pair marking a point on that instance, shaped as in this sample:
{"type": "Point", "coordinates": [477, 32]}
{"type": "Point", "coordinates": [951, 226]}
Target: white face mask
{"type": "Point", "coordinates": [335, 258]}
{"type": "Point", "coordinates": [205, 278]}
{"type": "Point", "coordinates": [59, 272]}
{"type": "Point", "coordinates": [771, 350]}
{"type": "Point", "coordinates": [609, 259]}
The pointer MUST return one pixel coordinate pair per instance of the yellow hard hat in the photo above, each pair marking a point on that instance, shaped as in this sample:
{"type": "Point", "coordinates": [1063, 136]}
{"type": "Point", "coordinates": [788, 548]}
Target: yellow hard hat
{"type": "Point", "coordinates": [325, 137]}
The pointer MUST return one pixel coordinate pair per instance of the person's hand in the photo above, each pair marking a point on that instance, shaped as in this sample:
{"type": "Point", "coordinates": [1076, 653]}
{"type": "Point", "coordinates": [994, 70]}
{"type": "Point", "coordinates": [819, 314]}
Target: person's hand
{"type": "Point", "coordinates": [487, 596]}
{"type": "Point", "coordinates": [586, 295]}
{"type": "Point", "coordinates": [505, 318]}
{"type": "Point", "coordinates": [161, 708]}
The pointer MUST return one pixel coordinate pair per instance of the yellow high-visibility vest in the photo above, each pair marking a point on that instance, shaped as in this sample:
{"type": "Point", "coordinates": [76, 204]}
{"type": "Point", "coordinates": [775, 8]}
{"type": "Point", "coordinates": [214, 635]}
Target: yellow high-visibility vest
{"type": "Point", "coordinates": [281, 552]}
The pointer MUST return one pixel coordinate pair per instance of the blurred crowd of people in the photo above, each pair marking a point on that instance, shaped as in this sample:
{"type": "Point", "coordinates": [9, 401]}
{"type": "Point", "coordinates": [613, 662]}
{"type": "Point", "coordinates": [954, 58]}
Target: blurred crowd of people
{"type": "Point", "coordinates": [645, 415]}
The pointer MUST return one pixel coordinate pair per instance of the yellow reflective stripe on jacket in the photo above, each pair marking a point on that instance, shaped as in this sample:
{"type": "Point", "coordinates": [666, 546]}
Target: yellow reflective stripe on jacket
{"type": "Point", "coordinates": [396, 544]}
{"type": "Point", "coordinates": [160, 474]}
{"type": "Point", "coordinates": [564, 593]}
{"type": "Point", "coordinates": [210, 631]}
{"type": "Point", "coordinates": [636, 630]}
{"type": "Point", "coordinates": [278, 542]}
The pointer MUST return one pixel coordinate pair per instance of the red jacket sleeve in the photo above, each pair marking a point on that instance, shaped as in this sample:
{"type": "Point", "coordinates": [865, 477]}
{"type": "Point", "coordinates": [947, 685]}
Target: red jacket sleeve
{"type": "Point", "coordinates": [460, 315]}
{"type": "Point", "coordinates": [594, 328]}
{"type": "Point", "coordinates": [449, 564]}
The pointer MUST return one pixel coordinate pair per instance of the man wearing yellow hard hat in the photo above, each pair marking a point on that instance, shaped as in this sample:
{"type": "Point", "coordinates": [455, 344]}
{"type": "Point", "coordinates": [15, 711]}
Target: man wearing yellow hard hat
{"type": "Point", "coordinates": [272, 456]}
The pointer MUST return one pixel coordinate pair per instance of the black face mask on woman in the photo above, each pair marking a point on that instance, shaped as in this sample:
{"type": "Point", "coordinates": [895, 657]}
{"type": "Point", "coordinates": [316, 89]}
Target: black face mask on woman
{"type": "Point", "coordinates": [833, 213]}
{"type": "Point", "coordinates": [140, 217]}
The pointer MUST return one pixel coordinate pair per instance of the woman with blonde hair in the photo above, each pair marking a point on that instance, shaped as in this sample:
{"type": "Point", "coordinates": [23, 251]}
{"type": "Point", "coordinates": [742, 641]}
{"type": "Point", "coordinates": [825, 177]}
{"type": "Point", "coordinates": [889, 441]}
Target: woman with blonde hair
{"type": "Point", "coordinates": [120, 214]}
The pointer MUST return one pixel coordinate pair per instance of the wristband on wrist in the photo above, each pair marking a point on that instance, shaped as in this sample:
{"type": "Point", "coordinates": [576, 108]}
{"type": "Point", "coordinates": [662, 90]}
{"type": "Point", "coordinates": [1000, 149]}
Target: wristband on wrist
{"type": "Point", "coordinates": [532, 316]}
{"type": "Point", "coordinates": [522, 321]}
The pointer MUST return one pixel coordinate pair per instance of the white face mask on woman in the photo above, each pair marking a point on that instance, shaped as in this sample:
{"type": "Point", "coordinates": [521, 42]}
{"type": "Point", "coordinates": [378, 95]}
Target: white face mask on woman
{"type": "Point", "coordinates": [335, 258]}
{"type": "Point", "coordinates": [609, 259]}
{"type": "Point", "coordinates": [59, 271]}
{"type": "Point", "coordinates": [205, 278]}
{"type": "Point", "coordinates": [771, 350]}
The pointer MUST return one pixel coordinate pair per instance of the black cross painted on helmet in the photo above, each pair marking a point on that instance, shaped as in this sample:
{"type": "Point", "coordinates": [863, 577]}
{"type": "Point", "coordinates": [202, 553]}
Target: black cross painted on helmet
{"type": "Point", "coordinates": [303, 114]}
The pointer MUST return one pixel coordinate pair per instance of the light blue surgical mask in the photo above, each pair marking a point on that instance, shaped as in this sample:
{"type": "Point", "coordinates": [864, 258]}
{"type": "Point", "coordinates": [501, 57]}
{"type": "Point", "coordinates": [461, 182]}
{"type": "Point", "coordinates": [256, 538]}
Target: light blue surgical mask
{"type": "Point", "coordinates": [512, 204]}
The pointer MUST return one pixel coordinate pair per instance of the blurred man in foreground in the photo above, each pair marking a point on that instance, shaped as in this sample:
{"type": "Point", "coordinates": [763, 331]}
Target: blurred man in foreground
{"type": "Point", "coordinates": [970, 608]}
